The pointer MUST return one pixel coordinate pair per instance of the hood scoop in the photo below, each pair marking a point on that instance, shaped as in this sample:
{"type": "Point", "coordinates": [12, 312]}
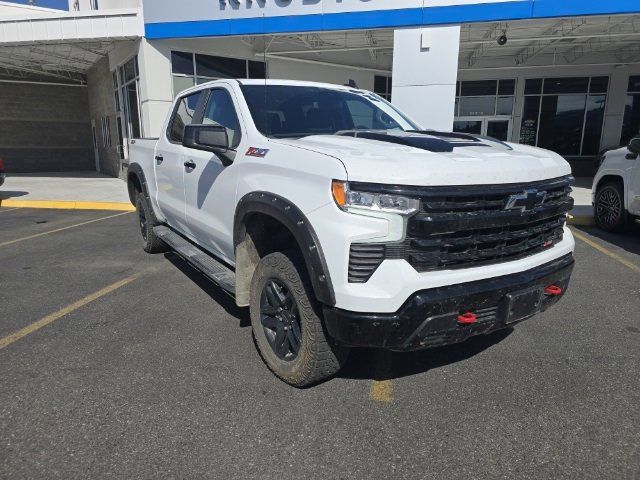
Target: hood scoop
{"type": "Point", "coordinates": [429, 140]}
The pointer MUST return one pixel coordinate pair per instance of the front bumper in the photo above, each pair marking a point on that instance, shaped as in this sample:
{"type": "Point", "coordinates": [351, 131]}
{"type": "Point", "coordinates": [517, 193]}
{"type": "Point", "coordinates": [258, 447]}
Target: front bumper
{"type": "Point", "coordinates": [429, 318]}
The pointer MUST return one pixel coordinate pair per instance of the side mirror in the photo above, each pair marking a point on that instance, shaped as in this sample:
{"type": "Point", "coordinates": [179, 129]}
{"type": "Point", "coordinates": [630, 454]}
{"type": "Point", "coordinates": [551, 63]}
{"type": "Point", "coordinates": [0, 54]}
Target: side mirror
{"type": "Point", "coordinates": [210, 138]}
{"type": "Point", "coordinates": [634, 146]}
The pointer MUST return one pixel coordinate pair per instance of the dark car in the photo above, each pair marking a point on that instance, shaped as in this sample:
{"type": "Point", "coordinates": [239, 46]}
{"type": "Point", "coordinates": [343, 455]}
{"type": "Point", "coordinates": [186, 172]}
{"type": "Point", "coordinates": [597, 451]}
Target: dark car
{"type": "Point", "coordinates": [2, 174]}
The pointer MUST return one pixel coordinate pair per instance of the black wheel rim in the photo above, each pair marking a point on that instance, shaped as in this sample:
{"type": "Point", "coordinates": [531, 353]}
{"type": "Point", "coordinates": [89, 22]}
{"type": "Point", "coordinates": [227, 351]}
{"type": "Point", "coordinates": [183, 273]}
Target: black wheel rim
{"type": "Point", "coordinates": [280, 320]}
{"type": "Point", "coordinates": [143, 223]}
{"type": "Point", "coordinates": [609, 207]}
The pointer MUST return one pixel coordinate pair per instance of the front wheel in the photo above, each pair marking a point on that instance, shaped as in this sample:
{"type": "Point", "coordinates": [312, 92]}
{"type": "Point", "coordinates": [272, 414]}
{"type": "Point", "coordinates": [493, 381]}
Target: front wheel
{"type": "Point", "coordinates": [286, 323]}
{"type": "Point", "coordinates": [609, 212]}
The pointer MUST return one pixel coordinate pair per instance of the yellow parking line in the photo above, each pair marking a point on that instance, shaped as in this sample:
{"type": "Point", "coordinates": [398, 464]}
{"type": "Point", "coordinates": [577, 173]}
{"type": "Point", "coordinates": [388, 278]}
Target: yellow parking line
{"type": "Point", "coordinates": [69, 205]}
{"type": "Point", "coordinates": [11, 242]}
{"type": "Point", "coordinates": [606, 251]}
{"type": "Point", "coordinates": [52, 317]}
{"type": "Point", "coordinates": [382, 390]}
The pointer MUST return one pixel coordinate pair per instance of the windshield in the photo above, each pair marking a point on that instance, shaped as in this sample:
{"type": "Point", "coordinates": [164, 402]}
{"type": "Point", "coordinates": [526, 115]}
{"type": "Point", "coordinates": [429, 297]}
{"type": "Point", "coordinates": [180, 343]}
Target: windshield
{"type": "Point", "coordinates": [282, 111]}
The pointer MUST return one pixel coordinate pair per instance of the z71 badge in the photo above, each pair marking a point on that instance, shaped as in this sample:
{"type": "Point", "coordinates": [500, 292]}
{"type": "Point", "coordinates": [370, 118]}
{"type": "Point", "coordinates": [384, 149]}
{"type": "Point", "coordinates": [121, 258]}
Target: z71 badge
{"type": "Point", "coordinates": [257, 152]}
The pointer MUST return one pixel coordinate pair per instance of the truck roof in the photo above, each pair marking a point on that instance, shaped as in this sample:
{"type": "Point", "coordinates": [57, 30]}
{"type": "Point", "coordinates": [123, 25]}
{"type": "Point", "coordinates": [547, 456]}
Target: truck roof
{"type": "Point", "coordinates": [298, 83]}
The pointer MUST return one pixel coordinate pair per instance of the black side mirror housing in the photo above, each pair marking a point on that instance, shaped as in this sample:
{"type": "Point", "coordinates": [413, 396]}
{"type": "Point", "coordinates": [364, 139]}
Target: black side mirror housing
{"type": "Point", "coordinates": [634, 146]}
{"type": "Point", "coordinates": [210, 138]}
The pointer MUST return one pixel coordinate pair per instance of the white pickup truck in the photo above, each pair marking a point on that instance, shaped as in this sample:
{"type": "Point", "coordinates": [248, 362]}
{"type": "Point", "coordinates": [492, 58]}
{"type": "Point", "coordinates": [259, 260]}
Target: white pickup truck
{"type": "Point", "coordinates": [616, 188]}
{"type": "Point", "coordinates": [342, 223]}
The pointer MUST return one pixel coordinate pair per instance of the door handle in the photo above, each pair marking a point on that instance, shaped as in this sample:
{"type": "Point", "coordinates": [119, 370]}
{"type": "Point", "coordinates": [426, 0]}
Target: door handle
{"type": "Point", "coordinates": [190, 164]}
{"type": "Point", "coordinates": [159, 159]}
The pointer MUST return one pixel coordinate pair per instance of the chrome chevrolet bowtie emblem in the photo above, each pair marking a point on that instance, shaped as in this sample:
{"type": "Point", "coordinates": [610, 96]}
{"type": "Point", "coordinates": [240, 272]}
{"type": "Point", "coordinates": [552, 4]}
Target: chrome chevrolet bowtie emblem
{"type": "Point", "coordinates": [525, 201]}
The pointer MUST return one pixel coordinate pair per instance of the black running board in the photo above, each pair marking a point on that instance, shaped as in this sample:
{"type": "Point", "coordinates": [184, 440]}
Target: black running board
{"type": "Point", "coordinates": [220, 274]}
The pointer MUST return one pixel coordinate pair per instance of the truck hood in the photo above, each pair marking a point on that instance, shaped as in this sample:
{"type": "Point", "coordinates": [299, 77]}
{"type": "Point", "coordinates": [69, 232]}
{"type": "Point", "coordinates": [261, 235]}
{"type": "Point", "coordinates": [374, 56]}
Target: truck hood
{"type": "Point", "coordinates": [481, 161]}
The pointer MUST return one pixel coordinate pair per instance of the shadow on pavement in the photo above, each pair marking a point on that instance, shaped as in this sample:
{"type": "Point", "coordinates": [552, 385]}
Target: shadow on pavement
{"type": "Point", "coordinates": [381, 365]}
{"type": "Point", "coordinates": [628, 240]}
{"type": "Point", "coordinates": [7, 194]}
{"type": "Point", "coordinates": [215, 292]}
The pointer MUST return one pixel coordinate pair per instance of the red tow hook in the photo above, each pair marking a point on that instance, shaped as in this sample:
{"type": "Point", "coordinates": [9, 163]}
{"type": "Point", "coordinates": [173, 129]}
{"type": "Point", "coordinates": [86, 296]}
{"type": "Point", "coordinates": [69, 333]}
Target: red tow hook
{"type": "Point", "coordinates": [468, 318]}
{"type": "Point", "coordinates": [553, 290]}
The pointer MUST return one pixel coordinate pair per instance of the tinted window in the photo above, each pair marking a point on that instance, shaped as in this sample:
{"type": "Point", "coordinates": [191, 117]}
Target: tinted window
{"type": "Point", "coordinates": [533, 86]}
{"type": "Point", "coordinates": [561, 121]}
{"type": "Point", "coordinates": [182, 63]}
{"type": "Point", "coordinates": [221, 111]}
{"type": "Point", "coordinates": [566, 85]}
{"type": "Point", "coordinates": [477, 106]}
{"type": "Point", "coordinates": [634, 84]}
{"type": "Point", "coordinates": [183, 116]}
{"type": "Point", "coordinates": [477, 88]}
{"type": "Point", "coordinates": [599, 85]}
{"type": "Point", "coordinates": [507, 87]}
{"type": "Point", "coordinates": [631, 125]}
{"type": "Point", "coordinates": [593, 124]}
{"type": "Point", "coordinates": [295, 111]}
{"type": "Point", "coordinates": [257, 69]}
{"type": "Point", "coordinates": [220, 67]}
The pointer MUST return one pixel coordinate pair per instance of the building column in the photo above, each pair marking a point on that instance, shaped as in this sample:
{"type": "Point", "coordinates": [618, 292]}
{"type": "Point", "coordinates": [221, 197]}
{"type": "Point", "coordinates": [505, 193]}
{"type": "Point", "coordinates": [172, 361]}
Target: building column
{"type": "Point", "coordinates": [425, 70]}
{"type": "Point", "coordinates": [156, 92]}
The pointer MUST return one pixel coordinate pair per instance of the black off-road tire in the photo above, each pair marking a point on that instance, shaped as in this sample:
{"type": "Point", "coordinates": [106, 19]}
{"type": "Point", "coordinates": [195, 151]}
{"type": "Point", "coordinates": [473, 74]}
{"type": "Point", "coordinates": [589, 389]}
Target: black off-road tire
{"type": "Point", "coordinates": [151, 243]}
{"type": "Point", "coordinates": [608, 210]}
{"type": "Point", "coordinates": [318, 357]}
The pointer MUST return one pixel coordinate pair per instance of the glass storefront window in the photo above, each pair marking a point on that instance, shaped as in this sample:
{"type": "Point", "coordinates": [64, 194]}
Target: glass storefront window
{"type": "Point", "coordinates": [631, 122]}
{"type": "Point", "coordinates": [565, 115]}
{"type": "Point", "coordinates": [477, 106]}
{"type": "Point", "coordinates": [485, 98]}
{"type": "Point", "coordinates": [190, 69]}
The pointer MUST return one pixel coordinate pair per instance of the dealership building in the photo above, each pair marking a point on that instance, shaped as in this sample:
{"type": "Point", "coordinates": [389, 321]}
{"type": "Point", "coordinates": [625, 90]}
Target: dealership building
{"type": "Point", "coordinates": [76, 86]}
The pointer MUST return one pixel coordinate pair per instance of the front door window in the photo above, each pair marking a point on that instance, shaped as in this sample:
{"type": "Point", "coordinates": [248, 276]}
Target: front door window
{"type": "Point", "coordinates": [498, 128]}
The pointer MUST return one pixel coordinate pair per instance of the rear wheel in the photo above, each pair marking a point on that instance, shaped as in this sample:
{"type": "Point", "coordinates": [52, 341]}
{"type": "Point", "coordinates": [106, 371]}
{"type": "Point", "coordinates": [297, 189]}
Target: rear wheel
{"type": "Point", "coordinates": [151, 243]}
{"type": "Point", "coordinates": [609, 212]}
{"type": "Point", "coordinates": [287, 323]}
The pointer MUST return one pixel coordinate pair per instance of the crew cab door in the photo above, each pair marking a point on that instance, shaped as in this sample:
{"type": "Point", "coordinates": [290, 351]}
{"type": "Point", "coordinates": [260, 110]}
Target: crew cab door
{"type": "Point", "coordinates": [211, 180]}
{"type": "Point", "coordinates": [169, 162]}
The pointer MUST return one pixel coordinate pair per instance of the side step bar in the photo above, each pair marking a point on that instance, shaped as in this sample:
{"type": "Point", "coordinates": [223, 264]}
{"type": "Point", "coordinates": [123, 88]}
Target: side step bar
{"type": "Point", "coordinates": [198, 258]}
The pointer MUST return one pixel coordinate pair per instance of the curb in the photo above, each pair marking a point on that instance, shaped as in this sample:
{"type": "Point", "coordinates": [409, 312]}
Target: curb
{"type": "Point", "coordinates": [581, 220]}
{"type": "Point", "coordinates": [69, 205]}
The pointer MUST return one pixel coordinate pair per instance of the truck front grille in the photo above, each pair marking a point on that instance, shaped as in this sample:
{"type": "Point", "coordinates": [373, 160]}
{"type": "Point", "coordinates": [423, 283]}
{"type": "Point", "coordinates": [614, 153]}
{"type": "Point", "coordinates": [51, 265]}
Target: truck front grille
{"type": "Point", "coordinates": [468, 226]}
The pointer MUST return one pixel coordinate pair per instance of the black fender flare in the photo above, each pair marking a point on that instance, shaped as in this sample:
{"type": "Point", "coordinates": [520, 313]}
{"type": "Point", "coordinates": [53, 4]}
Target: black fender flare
{"type": "Point", "coordinates": [136, 170]}
{"type": "Point", "coordinates": [297, 223]}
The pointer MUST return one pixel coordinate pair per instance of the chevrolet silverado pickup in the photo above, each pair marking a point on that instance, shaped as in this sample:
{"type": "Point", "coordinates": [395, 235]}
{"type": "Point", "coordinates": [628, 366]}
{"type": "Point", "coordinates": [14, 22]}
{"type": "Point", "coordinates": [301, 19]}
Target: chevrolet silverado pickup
{"type": "Point", "coordinates": [342, 223]}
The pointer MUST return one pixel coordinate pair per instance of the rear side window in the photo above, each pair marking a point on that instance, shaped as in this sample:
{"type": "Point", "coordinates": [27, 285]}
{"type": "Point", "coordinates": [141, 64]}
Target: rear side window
{"type": "Point", "coordinates": [183, 115]}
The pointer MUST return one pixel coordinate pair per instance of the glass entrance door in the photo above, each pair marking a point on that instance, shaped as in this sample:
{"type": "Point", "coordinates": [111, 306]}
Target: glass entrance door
{"type": "Point", "coordinates": [496, 127]}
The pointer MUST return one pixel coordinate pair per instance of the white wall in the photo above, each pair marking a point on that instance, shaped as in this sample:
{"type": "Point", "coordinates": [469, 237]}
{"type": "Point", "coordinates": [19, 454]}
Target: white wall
{"type": "Point", "coordinates": [425, 69]}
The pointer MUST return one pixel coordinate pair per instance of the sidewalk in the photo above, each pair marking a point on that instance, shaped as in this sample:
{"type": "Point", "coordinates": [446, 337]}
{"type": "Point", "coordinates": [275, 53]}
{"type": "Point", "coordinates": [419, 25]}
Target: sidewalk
{"type": "Point", "coordinates": [66, 190]}
{"type": "Point", "coordinates": [582, 213]}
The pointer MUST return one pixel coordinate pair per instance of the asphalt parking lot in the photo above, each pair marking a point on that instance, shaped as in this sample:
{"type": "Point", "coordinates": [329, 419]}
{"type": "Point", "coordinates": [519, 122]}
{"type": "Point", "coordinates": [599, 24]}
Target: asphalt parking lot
{"type": "Point", "coordinates": [119, 364]}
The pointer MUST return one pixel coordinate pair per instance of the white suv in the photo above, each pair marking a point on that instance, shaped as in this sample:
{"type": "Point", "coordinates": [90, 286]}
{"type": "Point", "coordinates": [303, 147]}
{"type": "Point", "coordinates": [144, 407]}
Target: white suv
{"type": "Point", "coordinates": [342, 223]}
{"type": "Point", "coordinates": [616, 187]}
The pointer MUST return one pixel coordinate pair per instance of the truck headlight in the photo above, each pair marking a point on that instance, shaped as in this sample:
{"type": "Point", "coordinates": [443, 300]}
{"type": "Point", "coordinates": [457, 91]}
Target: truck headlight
{"type": "Point", "coordinates": [351, 201]}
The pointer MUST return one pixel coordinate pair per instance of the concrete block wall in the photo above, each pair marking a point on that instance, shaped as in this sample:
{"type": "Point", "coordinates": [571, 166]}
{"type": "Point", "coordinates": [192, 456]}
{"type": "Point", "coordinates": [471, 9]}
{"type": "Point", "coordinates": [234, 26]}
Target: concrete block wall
{"type": "Point", "coordinates": [44, 128]}
{"type": "Point", "coordinates": [102, 103]}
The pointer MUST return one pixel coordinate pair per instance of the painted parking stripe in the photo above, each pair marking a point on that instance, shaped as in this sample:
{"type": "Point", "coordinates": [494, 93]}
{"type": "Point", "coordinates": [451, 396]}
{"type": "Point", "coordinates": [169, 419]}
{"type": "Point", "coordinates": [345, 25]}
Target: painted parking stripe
{"type": "Point", "coordinates": [5, 210]}
{"type": "Point", "coordinates": [37, 235]}
{"type": "Point", "coordinates": [606, 251]}
{"type": "Point", "coordinates": [52, 317]}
